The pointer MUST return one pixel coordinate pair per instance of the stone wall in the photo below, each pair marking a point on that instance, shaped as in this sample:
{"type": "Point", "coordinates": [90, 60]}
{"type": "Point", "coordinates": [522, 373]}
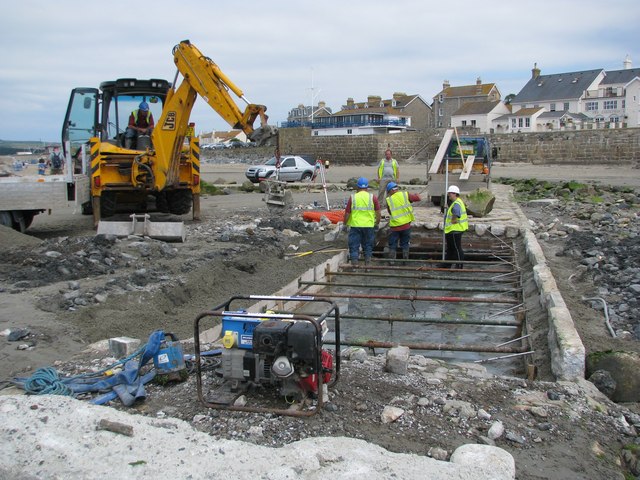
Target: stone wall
{"type": "Point", "coordinates": [359, 149]}
{"type": "Point", "coordinates": [578, 147]}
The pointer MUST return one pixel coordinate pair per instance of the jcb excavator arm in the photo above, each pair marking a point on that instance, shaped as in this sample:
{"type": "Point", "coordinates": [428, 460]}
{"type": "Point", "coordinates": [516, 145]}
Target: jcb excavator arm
{"type": "Point", "coordinates": [201, 77]}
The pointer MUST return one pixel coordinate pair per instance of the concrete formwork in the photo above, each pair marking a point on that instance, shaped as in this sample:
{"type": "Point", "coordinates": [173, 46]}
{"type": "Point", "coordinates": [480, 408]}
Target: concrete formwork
{"type": "Point", "coordinates": [503, 228]}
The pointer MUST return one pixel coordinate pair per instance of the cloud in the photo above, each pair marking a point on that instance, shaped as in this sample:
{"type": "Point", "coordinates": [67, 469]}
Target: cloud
{"type": "Point", "coordinates": [273, 50]}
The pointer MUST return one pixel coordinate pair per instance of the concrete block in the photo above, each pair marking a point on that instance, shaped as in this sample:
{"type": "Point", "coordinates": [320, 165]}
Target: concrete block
{"type": "Point", "coordinates": [498, 230]}
{"type": "Point", "coordinates": [121, 347]}
{"type": "Point", "coordinates": [565, 346]}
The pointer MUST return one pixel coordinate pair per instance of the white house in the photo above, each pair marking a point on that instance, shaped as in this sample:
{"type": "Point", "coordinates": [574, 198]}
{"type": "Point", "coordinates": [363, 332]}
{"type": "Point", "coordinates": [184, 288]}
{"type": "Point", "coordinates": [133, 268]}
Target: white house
{"type": "Point", "coordinates": [479, 115]}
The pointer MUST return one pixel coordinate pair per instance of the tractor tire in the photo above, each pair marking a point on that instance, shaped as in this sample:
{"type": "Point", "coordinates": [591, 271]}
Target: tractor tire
{"type": "Point", "coordinates": [162, 205]}
{"type": "Point", "coordinates": [107, 204]}
{"type": "Point", "coordinates": [86, 208]}
{"type": "Point", "coordinates": [180, 201]}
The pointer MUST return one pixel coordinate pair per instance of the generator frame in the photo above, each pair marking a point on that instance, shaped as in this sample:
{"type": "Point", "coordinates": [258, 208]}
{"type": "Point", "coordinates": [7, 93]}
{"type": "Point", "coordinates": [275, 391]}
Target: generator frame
{"type": "Point", "coordinates": [224, 309]}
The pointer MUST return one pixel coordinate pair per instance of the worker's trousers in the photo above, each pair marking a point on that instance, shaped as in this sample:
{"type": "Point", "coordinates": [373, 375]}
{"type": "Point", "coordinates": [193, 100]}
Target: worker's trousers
{"type": "Point", "coordinates": [361, 236]}
{"type": "Point", "coordinates": [454, 247]}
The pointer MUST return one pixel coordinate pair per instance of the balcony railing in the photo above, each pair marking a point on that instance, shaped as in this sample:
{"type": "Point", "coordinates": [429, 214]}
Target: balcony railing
{"type": "Point", "coordinates": [339, 124]}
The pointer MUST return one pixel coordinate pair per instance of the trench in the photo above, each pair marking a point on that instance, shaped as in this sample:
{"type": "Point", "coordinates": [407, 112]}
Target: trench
{"type": "Point", "coordinates": [477, 314]}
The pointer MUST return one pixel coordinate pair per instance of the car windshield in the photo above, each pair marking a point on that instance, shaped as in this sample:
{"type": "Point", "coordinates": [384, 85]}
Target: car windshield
{"type": "Point", "coordinates": [271, 161]}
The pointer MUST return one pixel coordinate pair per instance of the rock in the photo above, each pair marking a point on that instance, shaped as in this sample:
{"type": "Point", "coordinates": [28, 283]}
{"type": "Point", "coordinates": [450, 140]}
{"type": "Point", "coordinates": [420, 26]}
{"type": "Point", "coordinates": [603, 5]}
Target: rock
{"type": "Point", "coordinates": [623, 368]}
{"type": "Point", "coordinates": [18, 334]}
{"type": "Point", "coordinates": [514, 437]}
{"type": "Point", "coordinates": [438, 453]}
{"type": "Point", "coordinates": [391, 414]}
{"type": "Point", "coordinates": [539, 412]}
{"type": "Point", "coordinates": [500, 461]}
{"type": "Point", "coordinates": [483, 414]}
{"type": "Point", "coordinates": [397, 360]}
{"type": "Point", "coordinates": [604, 382]}
{"type": "Point", "coordinates": [496, 430]}
{"type": "Point", "coordinates": [479, 203]}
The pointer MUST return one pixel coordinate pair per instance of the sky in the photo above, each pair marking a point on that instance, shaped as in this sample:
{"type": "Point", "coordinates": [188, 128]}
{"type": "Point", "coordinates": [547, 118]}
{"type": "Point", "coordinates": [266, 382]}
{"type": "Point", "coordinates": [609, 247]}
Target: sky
{"type": "Point", "coordinates": [282, 53]}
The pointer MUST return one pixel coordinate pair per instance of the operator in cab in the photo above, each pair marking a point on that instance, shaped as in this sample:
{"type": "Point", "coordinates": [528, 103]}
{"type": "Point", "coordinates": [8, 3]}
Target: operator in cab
{"type": "Point", "coordinates": [140, 123]}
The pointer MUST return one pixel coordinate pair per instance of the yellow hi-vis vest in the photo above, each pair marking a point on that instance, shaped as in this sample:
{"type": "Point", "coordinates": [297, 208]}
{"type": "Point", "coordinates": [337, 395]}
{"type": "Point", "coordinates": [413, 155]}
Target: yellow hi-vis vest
{"type": "Point", "coordinates": [462, 225]}
{"type": "Point", "coordinates": [394, 164]}
{"type": "Point", "coordinates": [400, 208]}
{"type": "Point", "coordinates": [135, 117]}
{"type": "Point", "coordinates": [363, 212]}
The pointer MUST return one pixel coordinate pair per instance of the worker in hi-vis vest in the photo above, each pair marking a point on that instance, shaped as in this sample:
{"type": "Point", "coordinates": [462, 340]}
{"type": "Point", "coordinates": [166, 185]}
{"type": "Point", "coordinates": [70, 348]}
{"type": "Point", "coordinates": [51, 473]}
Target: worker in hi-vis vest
{"type": "Point", "coordinates": [455, 224]}
{"type": "Point", "coordinates": [362, 215]}
{"type": "Point", "coordinates": [400, 218]}
{"type": "Point", "coordinates": [388, 171]}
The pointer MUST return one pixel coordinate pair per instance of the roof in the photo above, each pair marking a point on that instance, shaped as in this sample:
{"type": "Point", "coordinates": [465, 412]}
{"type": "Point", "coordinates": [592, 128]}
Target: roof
{"type": "Point", "coordinates": [620, 76]}
{"type": "Point", "coordinates": [563, 114]}
{"type": "Point", "coordinates": [476, 108]}
{"type": "Point", "coordinates": [526, 112]}
{"type": "Point", "coordinates": [557, 86]}
{"type": "Point", "coordinates": [468, 90]}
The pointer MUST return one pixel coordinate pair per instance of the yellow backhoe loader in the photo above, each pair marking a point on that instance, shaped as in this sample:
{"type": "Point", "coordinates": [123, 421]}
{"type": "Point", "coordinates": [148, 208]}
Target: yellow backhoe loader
{"type": "Point", "coordinates": [164, 164]}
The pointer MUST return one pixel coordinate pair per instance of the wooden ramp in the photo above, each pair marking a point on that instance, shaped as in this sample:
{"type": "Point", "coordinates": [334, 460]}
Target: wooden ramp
{"type": "Point", "coordinates": [468, 166]}
{"type": "Point", "coordinates": [442, 149]}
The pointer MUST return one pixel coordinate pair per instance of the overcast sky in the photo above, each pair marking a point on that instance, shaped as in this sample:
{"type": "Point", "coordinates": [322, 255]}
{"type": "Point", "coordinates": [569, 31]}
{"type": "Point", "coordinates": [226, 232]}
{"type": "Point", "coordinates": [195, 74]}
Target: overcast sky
{"type": "Point", "coordinates": [276, 50]}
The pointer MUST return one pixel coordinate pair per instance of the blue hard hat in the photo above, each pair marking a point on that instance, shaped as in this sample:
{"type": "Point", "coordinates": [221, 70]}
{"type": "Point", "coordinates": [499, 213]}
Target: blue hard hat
{"type": "Point", "coordinates": [391, 186]}
{"type": "Point", "coordinates": [363, 183]}
{"type": "Point", "coordinates": [144, 106]}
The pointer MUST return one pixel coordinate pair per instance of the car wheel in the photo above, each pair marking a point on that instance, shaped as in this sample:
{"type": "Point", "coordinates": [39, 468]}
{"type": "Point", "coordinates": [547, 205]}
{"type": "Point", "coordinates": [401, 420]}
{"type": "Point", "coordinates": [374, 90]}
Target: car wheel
{"type": "Point", "coordinates": [306, 176]}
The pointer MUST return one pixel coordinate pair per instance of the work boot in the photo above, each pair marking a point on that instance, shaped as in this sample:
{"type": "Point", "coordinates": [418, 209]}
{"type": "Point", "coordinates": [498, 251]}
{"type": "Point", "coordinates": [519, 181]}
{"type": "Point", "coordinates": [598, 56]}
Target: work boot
{"type": "Point", "coordinates": [392, 256]}
{"type": "Point", "coordinates": [353, 264]}
{"type": "Point", "coordinates": [127, 143]}
{"type": "Point", "coordinates": [405, 256]}
{"type": "Point", "coordinates": [367, 263]}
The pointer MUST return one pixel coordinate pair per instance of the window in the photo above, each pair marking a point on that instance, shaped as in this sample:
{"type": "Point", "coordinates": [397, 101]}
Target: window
{"type": "Point", "coordinates": [552, 107]}
{"type": "Point", "coordinates": [527, 122]}
{"type": "Point", "coordinates": [464, 123]}
{"type": "Point", "coordinates": [566, 106]}
{"type": "Point", "coordinates": [614, 118]}
{"type": "Point", "coordinates": [473, 123]}
{"type": "Point", "coordinates": [513, 123]}
{"type": "Point", "coordinates": [520, 122]}
{"type": "Point", "coordinates": [289, 162]}
{"type": "Point", "coordinates": [599, 119]}
{"type": "Point", "coordinates": [610, 104]}
{"type": "Point", "coordinates": [315, 132]}
{"type": "Point", "coordinates": [349, 131]}
{"type": "Point", "coordinates": [624, 104]}
{"type": "Point", "coordinates": [591, 106]}
{"type": "Point", "coordinates": [440, 112]}
{"type": "Point", "coordinates": [441, 98]}
{"type": "Point", "coordinates": [439, 123]}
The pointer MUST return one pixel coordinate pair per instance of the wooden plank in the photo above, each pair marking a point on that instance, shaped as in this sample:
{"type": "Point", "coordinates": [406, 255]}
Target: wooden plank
{"type": "Point", "coordinates": [442, 149]}
{"type": "Point", "coordinates": [468, 166]}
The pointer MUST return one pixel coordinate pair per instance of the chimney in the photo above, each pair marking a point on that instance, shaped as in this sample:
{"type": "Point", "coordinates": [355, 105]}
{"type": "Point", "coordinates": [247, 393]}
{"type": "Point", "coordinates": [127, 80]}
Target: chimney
{"type": "Point", "coordinates": [627, 63]}
{"type": "Point", "coordinates": [398, 95]}
{"type": "Point", "coordinates": [349, 102]}
{"type": "Point", "coordinates": [445, 84]}
{"type": "Point", "coordinates": [535, 71]}
{"type": "Point", "coordinates": [322, 104]}
{"type": "Point", "coordinates": [374, 100]}
{"type": "Point", "coordinates": [478, 86]}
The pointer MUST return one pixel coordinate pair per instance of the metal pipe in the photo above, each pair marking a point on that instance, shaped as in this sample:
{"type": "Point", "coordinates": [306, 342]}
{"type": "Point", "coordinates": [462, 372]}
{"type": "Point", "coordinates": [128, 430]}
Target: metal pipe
{"type": "Point", "coordinates": [424, 277]}
{"type": "Point", "coordinates": [606, 314]}
{"type": "Point", "coordinates": [423, 269]}
{"type": "Point", "coordinates": [431, 346]}
{"type": "Point", "coordinates": [453, 321]}
{"type": "Point", "coordinates": [504, 356]}
{"type": "Point", "coordinates": [511, 341]}
{"type": "Point", "coordinates": [418, 298]}
{"type": "Point", "coordinates": [412, 287]}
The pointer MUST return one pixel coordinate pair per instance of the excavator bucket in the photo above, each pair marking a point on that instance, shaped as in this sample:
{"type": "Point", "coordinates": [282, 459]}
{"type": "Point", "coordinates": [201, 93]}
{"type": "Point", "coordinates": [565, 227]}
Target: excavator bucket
{"type": "Point", "coordinates": [141, 225]}
{"type": "Point", "coordinates": [277, 197]}
{"type": "Point", "coordinates": [265, 135]}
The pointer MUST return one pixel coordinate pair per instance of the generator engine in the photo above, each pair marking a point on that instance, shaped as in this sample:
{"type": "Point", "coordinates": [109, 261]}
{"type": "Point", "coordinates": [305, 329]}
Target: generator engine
{"type": "Point", "coordinates": [281, 353]}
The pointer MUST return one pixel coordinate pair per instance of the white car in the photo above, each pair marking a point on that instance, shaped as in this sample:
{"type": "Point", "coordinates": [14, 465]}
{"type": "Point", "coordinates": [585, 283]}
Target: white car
{"type": "Point", "coordinates": [293, 168]}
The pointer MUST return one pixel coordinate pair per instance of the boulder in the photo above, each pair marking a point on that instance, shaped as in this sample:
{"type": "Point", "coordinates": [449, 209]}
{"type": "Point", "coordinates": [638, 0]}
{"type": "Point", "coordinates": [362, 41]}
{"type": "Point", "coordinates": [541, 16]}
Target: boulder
{"type": "Point", "coordinates": [623, 368]}
{"type": "Point", "coordinates": [479, 202]}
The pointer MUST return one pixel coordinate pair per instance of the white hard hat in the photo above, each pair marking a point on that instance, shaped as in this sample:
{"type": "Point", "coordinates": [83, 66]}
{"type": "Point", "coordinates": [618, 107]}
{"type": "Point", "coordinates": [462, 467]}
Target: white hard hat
{"type": "Point", "coordinates": [453, 189]}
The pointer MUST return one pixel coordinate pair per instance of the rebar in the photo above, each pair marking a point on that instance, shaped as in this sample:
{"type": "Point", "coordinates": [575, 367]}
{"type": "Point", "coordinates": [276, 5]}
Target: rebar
{"type": "Point", "coordinates": [445, 288]}
{"type": "Point", "coordinates": [418, 298]}
{"type": "Point", "coordinates": [431, 346]}
{"type": "Point", "coordinates": [452, 321]}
